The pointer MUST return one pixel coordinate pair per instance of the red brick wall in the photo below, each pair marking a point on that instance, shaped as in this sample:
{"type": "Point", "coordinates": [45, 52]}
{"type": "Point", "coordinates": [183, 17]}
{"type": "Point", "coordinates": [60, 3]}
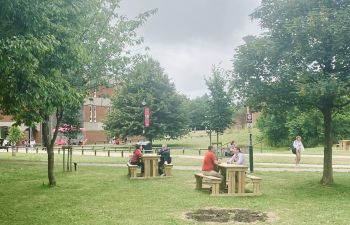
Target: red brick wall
{"type": "Point", "coordinates": [5, 118]}
{"type": "Point", "coordinates": [99, 137]}
{"type": "Point", "coordinates": [101, 113]}
{"type": "Point", "coordinates": [103, 92]}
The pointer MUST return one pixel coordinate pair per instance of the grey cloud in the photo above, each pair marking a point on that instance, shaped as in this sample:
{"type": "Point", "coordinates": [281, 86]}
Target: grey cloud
{"type": "Point", "coordinates": [188, 36]}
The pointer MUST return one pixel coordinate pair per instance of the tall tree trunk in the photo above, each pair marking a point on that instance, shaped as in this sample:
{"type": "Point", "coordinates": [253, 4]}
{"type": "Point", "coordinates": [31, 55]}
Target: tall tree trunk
{"type": "Point", "coordinates": [49, 149]}
{"type": "Point", "coordinates": [327, 178]}
{"type": "Point", "coordinates": [210, 137]}
{"type": "Point", "coordinates": [13, 150]}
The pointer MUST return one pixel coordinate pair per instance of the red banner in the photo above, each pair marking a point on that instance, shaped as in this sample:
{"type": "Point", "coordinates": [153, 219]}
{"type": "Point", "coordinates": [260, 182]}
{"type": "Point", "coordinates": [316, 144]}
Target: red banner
{"type": "Point", "coordinates": [146, 110]}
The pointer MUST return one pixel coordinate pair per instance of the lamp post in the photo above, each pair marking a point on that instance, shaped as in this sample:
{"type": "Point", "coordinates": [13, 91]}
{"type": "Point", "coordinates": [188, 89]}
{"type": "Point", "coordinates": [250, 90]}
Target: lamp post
{"type": "Point", "coordinates": [146, 111]}
{"type": "Point", "coordinates": [144, 116]}
{"type": "Point", "coordinates": [250, 147]}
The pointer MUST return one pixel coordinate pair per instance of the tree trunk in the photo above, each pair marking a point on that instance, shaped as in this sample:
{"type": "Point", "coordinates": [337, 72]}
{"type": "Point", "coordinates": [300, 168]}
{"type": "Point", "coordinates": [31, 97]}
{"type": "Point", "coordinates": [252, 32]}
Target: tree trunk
{"type": "Point", "coordinates": [13, 151]}
{"type": "Point", "coordinates": [327, 178]}
{"type": "Point", "coordinates": [49, 150]}
{"type": "Point", "coordinates": [217, 140]}
{"type": "Point", "coordinates": [210, 137]}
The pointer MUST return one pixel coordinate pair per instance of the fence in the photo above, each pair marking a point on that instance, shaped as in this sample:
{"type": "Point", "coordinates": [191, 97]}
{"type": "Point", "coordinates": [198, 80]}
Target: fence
{"type": "Point", "coordinates": [96, 150]}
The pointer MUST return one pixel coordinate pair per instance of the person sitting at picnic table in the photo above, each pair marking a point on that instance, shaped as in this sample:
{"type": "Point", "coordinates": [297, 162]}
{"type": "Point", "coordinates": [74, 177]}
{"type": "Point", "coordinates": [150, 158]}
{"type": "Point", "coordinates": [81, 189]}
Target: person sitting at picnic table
{"type": "Point", "coordinates": [136, 158]}
{"type": "Point", "coordinates": [209, 164]}
{"type": "Point", "coordinates": [164, 158]}
{"type": "Point", "coordinates": [238, 156]}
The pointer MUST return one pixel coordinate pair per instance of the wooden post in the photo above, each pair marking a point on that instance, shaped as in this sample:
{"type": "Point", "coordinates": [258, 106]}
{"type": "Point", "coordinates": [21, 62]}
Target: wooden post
{"type": "Point", "coordinates": [71, 154]}
{"type": "Point", "coordinates": [68, 156]}
{"type": "Point", "coordinates": [122, 153]}
{"type": "Point", "coordinates": [199, 152]}
{"type": "Point", "coordinates": [95, 152]}
{"type": "Point", "coordinates": [26, 149]}
{"type": "Point", "coordinates": [37, 150]}
{"type": "Point", "coordinates": [183, 151]}
{"type": "Point", "coordinates": [63, 149]}
{"type": "Point", "coordinates": [108, 153]}
{"type": "Point", "coordinates": [82, 151]}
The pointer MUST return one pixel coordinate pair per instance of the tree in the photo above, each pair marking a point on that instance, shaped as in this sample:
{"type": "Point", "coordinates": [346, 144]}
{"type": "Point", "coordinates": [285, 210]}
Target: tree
{"type": "Point", "coordinates": [71, 122]}
{"type": "Point", "coordinates": [53, 52]}
{"type": "Point", "coordinates": [302, 60]}
{"type": "Point", "coordinates": [147, 82]}
{"type": "Point", "coordinates": [198, 109]}
{"type": "Point", "coordinates": [15, 135]}
{"type": "Point", "coordinates": [220, 112]}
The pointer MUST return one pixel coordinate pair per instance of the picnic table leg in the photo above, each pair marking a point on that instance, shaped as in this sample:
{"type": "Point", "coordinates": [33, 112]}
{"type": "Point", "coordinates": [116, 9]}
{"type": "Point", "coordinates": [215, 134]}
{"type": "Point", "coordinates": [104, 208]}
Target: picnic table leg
{"type": "Point", "coordinates": [147, 168]}
{"type": "Point", "coordinates": [154, 168]}
{"type": "Point", "coordinates": [231, 182]}
{"type": "Point", "coordinates": [199, 182]}
{"type": "Point", "coordinates": [241, 182]}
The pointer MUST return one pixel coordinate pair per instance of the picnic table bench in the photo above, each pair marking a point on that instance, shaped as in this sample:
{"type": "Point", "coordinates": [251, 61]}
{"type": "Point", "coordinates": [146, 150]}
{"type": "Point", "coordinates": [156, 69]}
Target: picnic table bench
{"type": "Point", "coordinates": [167, 168]}
{"type": "Point", "coordinates": [256, 183]}
{"type": "Point", "coordinates": [214, 182]}
{"type": "Point", "coordinates": [132, 170]}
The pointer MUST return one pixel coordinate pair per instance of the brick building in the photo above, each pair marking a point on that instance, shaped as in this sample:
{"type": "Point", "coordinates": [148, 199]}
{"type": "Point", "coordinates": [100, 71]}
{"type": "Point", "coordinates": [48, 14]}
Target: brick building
{"type": "Point", "coordinates": [94, 111]}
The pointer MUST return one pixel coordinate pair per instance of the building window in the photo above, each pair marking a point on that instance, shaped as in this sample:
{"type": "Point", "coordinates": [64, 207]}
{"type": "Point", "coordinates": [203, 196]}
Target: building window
{"type": "Point", "coordinates": [90, 113]}
{"type": "Point", "coordinates": [95, 116]}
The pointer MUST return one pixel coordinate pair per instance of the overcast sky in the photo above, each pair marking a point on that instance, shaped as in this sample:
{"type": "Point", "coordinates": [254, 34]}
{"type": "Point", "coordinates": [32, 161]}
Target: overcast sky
{"type": "Point", "coordinates": [187, 37]}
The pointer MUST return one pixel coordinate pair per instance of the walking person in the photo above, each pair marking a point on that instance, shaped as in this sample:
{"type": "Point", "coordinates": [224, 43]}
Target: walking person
{"type": "Point", "coordinates": [298, 145]}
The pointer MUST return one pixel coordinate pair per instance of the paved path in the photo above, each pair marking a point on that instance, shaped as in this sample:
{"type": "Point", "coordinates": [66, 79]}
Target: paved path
{"type": "Point", "coordinates": [286, 167]}
{"type": "Point", "coordinates": [257, 166]}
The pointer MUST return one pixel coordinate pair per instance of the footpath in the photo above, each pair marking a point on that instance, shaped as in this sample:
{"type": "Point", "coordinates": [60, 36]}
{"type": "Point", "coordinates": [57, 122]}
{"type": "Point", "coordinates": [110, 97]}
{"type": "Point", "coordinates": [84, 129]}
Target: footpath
{"type": "Point", "coordinates": [345, 168]}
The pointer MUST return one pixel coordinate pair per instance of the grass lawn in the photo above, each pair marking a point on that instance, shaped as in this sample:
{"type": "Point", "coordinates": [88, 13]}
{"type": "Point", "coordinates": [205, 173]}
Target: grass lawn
{"type": "Point", "coordinates": [105, 195]}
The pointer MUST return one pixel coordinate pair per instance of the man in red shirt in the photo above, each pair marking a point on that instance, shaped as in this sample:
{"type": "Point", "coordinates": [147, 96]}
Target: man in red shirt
{"type": "Point", "coordinates": [136, 158]}
{"type": "Point", "coordinates": [209, 163]}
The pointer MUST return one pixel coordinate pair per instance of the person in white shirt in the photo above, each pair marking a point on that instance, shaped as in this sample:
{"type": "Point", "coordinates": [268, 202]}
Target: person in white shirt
{"type": "Point", "coordinates": [237, 158]}
{"type": "Point", "coordinates": [299, 148]}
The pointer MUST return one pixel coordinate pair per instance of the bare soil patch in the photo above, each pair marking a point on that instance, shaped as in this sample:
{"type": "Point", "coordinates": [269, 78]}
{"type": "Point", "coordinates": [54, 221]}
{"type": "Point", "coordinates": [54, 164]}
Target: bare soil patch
{"type": "Point", "coordinates": [227, 215]}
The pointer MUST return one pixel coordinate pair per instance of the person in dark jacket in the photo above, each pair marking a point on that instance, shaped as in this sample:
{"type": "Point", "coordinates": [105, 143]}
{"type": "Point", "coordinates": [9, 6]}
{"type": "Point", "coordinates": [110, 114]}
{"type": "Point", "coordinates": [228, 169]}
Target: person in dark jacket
{"type": "Point", "coordinates": [164, 158]}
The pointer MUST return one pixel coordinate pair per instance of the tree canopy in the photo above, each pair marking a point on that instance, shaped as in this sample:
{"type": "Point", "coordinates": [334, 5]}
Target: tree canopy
{"type": "Point", "coordinates": [53, 52]}
{"type": "Point", "coordinates": [219, 114]}
{"type": "Point", "coordinates": [147, 82]}
{"type": "Point", "coordinates": [198, 109]}
{"type": "Point", "coordinates": [301, 60]}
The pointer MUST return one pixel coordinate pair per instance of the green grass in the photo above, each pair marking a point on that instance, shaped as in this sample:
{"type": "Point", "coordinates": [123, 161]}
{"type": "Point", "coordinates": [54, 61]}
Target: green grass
{"type": "Point", "coordinates": [104, 195]}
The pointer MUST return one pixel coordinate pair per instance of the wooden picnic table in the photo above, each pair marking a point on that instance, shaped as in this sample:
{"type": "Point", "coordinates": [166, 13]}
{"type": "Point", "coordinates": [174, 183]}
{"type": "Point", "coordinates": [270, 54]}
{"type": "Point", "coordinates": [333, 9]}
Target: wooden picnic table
{"type": "Point", "coordinates": [230, 172]}
{"type": "Point", "coordinates": [151, 165]}
{"type": "Point", "coordinates": [344, 144]}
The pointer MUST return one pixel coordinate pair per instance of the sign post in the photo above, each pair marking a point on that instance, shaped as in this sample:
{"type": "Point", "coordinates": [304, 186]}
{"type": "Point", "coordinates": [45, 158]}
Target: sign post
{"type": "Point", "coordinates": [250, 147]}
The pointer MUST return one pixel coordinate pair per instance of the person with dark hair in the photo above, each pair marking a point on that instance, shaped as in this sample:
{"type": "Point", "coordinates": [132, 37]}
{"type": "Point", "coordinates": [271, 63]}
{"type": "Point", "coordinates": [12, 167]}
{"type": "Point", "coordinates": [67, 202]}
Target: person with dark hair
{"type": "Point", "coordinates": [238, 156]}
{"type": "Point", "coordinates": [164, 158]}
{"type": "Point", "coordinates": [209, 163]}
{"type": "Point", "coordinates": [136, 158]}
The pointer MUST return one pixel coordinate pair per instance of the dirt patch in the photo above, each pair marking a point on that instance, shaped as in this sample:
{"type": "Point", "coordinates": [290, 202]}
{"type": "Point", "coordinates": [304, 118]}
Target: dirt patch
{"type": "Point", "coordinates": [227, 215]}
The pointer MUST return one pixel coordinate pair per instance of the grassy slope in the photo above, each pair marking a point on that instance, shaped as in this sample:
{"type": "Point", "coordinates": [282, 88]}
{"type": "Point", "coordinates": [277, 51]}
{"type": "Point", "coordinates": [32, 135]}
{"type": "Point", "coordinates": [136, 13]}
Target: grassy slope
{"type": "Point", "coordinates": [104, 195]}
